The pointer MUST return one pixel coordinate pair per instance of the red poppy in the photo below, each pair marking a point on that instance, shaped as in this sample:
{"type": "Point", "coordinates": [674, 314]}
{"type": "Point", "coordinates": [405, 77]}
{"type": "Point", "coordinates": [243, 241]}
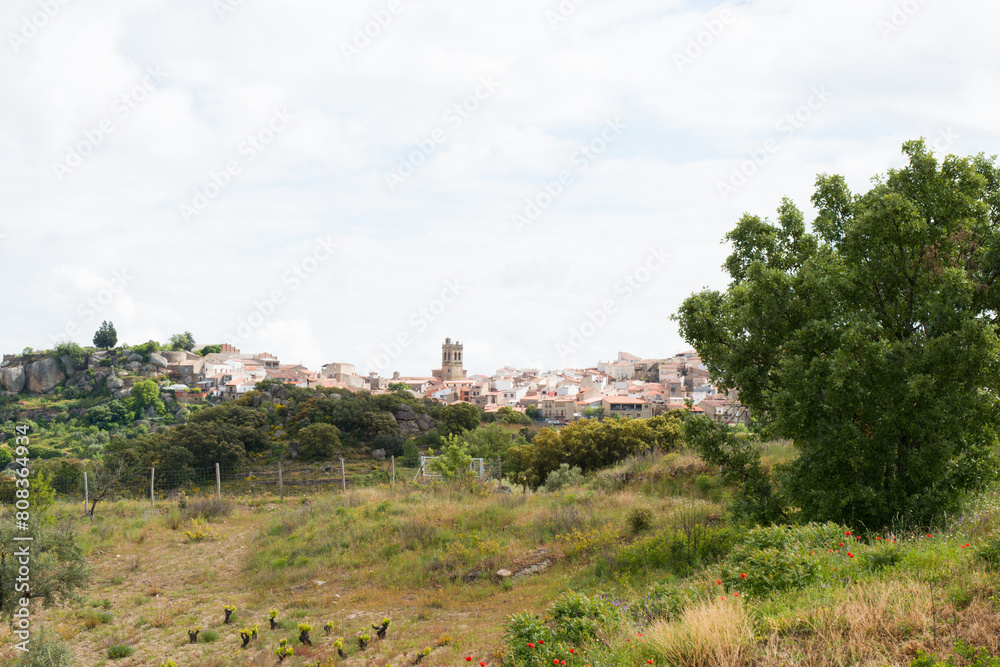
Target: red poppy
{"type": "Point", "coordinates": [722, 597]}
{"type": "Point", "coordinates": [468, 658]}
{"type": "Point", "coordinates": [736, 594]}
{"type": "Point", "coordinates": [743, 575]}
{"type": "Point", "coordinates": [966, 544]}
{"type": "Point", "coordinates": [650, 661]}
{"type": "Point", "coordinates": [541, 641]}
{"type": "Point", "coordinates": [718, 582]}
{"type": "Point", "coordinates": [840, 544]}
{"type": "Point", "coordinates": [562, 662]}
{"type": "Point", "coordinates": [928, 534]}
{"type": "Point", "coordinates": [482, 664]}
{"type": "Point", "coordinates": [878, 538]}
{"type": "Point", "coordinates": [530, 645]}
{"type": "Point", "coordinates": [555, 661]}
{"type": "Point", "coordinates": [848, 533]}
{"type": "Point", "coordinates": [572, 650]}
{"type": "Point", "coordinates": [850, 555]}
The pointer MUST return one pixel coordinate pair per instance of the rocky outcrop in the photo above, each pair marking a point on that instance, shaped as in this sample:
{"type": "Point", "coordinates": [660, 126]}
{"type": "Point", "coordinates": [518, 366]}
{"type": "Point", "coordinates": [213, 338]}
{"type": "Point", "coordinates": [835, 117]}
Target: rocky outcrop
{"type": "Point", "coordinates": [44, 375]}
{"type": "Point", "coordinates": [157, 360]}
{"type": "Point", "coordinates": [13, 378]}
{"type": "Point", "coordinates": [134, 357]}
{"type": "Point", "coordinates": [68, 364]}
{"type": "Point", "coordinates": [411, 423]}
{"type": "Point", "coordinates": [94, 361]}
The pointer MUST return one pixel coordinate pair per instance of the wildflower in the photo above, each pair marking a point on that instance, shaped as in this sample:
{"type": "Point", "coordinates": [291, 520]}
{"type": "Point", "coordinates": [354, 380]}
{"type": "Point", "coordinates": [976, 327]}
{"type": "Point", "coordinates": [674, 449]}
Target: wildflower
{"type": "Point", "coordinates": [530, 645]}
{"type": "Point", "coordinates": [850, 555]}
{"type": "Point", "coordinates": [650, 661]}
{"type": "Point", "coordinates": [743, 575]}
{"type": "Point", "coordinates": [555, 661]}
{"type": "Point", "coordinates": [468, 658]}
{"type": "Point", "coordinates": [482, 663]}
{"type": "Point", "coordinates": [541, 641]}
{"type": "Point", "coordinates": [736, 594]}
{"type": "Point", "coordinates": [878, 537]}
{"type": "Point", "coordinates": [718, 582]}
{"type": "Point", "coordinates": [840, 544]}
{"type": "Point", "coordinates": [572, 650]}
{"type": "Point", "coordinates": [928, 534]}
{"type": "Point", "coordinates": [848, 533]}
{"type": "Point", "coordinates": [562, 662]}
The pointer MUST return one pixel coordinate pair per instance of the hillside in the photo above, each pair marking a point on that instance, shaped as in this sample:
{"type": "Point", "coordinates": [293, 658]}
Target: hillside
{"type": "Point", "coordinates": [664, 578]}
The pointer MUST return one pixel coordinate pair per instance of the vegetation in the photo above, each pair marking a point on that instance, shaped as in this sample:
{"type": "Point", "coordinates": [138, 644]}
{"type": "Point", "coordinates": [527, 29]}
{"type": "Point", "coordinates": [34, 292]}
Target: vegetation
{"type": "Point", "coordinates": [843, 338]}
{"type": "Point", "coordinates": [106, 336]}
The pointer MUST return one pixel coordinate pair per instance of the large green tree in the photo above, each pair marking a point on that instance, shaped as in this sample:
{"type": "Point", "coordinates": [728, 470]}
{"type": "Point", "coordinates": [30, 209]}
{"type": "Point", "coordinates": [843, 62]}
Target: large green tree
{"type": "Point", "coordinates": [871, 340]}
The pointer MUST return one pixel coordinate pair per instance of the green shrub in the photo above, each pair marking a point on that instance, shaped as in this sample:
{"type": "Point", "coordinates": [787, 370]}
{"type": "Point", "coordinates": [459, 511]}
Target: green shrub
{"type": "Point", "coordinates": [779, 558]}
{"type": "Point", "coordinates": [679, 551]}
{"type": "Point", "coordinates": [209, 636]}
{"type": "Point", "coordinates": [577, 621]}
{"type": "Point", "coordinates": [46, 651]}
{"type": "Point", "coordinates": [119, 649]}
{"type": "Point", "coordinates": [563, 477]}
{"type": "Point", "coordinates": [971, 657]}
{"type": "Point", "coordinates": [640, 519]}
{"type": "Point", "coordinates": [989, 553]}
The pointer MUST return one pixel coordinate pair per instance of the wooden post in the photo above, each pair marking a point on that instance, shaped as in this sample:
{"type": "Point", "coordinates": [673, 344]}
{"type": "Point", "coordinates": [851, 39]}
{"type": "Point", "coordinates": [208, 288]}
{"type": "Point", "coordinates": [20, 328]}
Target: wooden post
{"type": "Point", "coordinates": [152, 477]}
{"type": "Point", "coordinates": [393, 472]}
{"type": "Point", "coordinates": [281, 483]}
{"type": "Point", "coordinates": [218, 482]}
{"type": "Point", "coordinates": [343, 478]}
{"type": "Point", "coordinates": [86, 493]}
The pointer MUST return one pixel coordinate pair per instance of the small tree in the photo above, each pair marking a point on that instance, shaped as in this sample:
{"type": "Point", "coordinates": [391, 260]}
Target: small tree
{"type": "Point", "coordinates": [318, 441]}
{"type": "Point", "coordinates": [106, 336]}
{"type": "Point", "coordinates": [182, 341]}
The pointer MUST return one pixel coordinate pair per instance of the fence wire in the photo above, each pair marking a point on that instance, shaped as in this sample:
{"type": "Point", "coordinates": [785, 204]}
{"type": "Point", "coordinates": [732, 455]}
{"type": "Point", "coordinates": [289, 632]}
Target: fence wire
{"type": "Point", "coordinates": [250, 480]}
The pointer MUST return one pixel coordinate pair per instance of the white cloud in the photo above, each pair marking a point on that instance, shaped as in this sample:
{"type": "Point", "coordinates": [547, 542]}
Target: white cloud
{"type": "Point", "coordinates": [656, 185]}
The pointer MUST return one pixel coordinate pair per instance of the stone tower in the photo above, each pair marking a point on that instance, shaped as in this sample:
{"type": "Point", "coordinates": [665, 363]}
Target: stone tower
{"type": "Point", "coordinates": [451, 361]}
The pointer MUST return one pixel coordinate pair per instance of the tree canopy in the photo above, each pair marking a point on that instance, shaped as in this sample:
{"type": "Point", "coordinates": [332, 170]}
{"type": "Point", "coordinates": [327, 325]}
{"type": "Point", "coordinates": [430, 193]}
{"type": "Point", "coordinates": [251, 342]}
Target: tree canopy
{"type": "Point", "coordinates": [870, 340]}
{"type": "Point", "coordinates": [106, 336]}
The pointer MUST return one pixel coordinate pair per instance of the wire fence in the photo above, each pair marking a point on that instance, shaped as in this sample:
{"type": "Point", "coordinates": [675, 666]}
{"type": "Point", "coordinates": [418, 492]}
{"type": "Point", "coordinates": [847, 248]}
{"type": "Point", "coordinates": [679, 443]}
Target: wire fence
{"type": "Point", "coordinates": [281, 479]}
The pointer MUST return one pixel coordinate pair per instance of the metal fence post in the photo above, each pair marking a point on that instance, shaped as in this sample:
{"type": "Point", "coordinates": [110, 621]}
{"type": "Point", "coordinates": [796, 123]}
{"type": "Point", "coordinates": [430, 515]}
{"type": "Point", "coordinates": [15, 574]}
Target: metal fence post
{"type": "Point", "coordinates": [152, 478]}
{"type": "Point", "coordinates": [281, 482]}
{"type": "Point", "coordinates": [218, 482]}
{"type": "Point", "coordinates": [343, 478]}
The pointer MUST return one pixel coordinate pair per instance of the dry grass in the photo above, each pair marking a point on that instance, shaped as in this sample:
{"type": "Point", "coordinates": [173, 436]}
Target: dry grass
{"type": "Point", "coordinates": [716, 633]}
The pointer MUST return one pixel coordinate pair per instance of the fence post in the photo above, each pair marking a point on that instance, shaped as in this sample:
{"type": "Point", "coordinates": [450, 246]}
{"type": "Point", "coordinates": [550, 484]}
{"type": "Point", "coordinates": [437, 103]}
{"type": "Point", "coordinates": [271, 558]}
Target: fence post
{"type": "Point", "coordinates": [218, 482]}
{"type": "Point", "coordinates": [393, 472]}
{"type": "Point", "coordinates": [343, 478]}
{"type": "Point", "coordinates": [86, 493]}
{"type": "Point", "coordinates": [281, 483]}
{"type": "Point", "coordinates": [152, 477]}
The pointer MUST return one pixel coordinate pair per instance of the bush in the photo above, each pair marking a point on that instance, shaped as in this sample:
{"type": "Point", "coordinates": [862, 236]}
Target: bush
{"type": "Point", "coordinates": [207, 508]}
{"type": "Point", "coordinates": [46, 651]}
{"type": "Point", "coordinates": [71, 350]}
{"type": "Point", "coordinates": [678, 551]}
{"type": "Point", "coordinates": [640, 519]}
{"type": "Point", "coordinates": [577, 621]}
{"type": "Point", "coordinates": [119, 649]}
{"type": "Point", "coordinates": [989, 553]}
{"type": "Point", "coordinates": [209, 636]}
{"type": "Point", "coordinates": [779, 558]}
{"type": "Point", "coordinates": [563, 477]}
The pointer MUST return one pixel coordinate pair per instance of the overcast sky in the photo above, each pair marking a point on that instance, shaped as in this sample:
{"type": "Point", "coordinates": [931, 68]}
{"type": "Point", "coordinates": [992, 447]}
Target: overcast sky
{"type": "Point", "coordinates": [355, 181]}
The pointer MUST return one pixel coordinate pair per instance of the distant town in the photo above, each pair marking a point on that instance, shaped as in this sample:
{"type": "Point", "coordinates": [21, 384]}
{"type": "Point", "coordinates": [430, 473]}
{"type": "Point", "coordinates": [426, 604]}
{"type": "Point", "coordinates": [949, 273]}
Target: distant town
{"type": "Point", "coordinates": [628, 386]}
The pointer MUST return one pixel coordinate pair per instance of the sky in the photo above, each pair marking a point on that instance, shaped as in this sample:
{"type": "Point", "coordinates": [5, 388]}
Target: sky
{"type": "Point", "coordinates": [544, 181]}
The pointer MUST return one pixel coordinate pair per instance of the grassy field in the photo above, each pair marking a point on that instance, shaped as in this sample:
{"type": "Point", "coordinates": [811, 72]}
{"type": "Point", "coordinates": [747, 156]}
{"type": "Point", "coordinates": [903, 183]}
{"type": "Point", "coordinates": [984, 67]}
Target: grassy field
{"type": "Point", "coordinates": [649, 531]}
